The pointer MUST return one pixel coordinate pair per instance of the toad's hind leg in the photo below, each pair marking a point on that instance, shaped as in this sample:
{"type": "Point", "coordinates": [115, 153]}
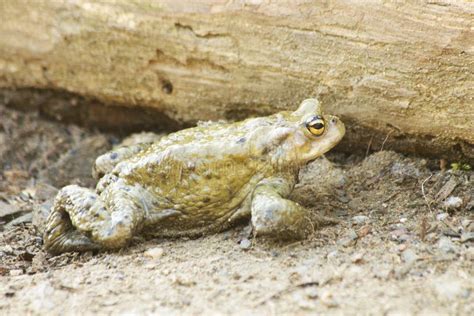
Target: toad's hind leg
{"type": "Point", "coordinates": [128, 207]}
{"type": "Point", "coordinates": [80, 220]}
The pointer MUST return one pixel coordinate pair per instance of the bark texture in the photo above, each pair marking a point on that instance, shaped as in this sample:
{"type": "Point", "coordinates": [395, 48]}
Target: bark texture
{"type": "Point", "coordinates": [401, 72]}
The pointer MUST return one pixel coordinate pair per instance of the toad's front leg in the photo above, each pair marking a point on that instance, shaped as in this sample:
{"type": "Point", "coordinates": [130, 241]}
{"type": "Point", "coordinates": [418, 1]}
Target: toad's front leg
{"type": "Point", "coordinates": [275, 216]}
{"type": "Point", "coordinates": [81, 221]}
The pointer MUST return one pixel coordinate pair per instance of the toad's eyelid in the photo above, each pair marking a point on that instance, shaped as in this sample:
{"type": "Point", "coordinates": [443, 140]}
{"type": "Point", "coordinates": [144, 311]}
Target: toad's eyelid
{"type": "Point", "coordinates": [315, 120]}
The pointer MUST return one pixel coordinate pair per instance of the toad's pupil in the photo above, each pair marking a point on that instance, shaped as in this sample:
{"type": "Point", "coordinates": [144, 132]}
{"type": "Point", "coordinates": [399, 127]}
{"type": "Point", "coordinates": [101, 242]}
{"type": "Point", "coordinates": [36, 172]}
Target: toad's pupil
{"type": "Point", "coordinates": [318, 125]}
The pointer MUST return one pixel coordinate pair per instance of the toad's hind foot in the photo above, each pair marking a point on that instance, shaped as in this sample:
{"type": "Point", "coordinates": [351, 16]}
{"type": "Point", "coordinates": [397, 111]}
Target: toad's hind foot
{"type": "Point", "coordinates": [81, 221]}
{"type": "Point", "coordinates": [63, 238]}
{"type": "Point", "coordinates": [60, 234]}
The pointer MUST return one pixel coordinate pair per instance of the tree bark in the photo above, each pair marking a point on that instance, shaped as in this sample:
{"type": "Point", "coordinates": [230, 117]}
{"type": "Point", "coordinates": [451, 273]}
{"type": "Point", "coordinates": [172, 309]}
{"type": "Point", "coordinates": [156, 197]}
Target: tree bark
{"type": "Point", "coordinates": [400, 74]}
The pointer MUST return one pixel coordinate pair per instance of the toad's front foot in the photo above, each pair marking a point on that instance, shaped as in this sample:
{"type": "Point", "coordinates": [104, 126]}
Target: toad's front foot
{"type": "Point", "coordinates": [275, 216]}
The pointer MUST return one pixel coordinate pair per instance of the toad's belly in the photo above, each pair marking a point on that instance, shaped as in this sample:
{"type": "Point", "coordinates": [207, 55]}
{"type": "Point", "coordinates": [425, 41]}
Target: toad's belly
{"type": "Point", "coordinates": [195, 221]}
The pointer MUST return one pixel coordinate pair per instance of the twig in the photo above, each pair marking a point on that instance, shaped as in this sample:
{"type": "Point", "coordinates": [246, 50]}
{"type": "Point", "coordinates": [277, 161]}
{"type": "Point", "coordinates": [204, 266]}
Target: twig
{"type": "Point", "coordinates": [286, 290]}
{"type": "Point", "coordinates": [453, 229]}
{"type": "Point", "coordinates": [386, 138]}
{"type": "Point", "coordinates": [368, 146]}
{"type": "Point", "coordinates": [423, 228]}
{"type": "Point", "coordinates": [423, 192]}
{"type": "Point", "coordinates": [391, 197]}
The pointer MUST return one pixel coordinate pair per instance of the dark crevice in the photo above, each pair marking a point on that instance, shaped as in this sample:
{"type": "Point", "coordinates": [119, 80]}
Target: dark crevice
{"type": "Point", "coordinates": [89, 112]}
{"type": "Point", "coordinates": [363, 140]}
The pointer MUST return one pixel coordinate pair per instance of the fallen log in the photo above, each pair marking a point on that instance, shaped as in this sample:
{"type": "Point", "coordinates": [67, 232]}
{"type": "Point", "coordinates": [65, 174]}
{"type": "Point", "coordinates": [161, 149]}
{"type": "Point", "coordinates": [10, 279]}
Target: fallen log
{"type": "Point", "coordinates": [399, 74]}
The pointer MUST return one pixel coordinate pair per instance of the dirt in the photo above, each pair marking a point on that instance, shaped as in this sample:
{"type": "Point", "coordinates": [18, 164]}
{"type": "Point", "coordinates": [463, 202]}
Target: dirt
{"type": "Point", "coordinates": [404, 244]}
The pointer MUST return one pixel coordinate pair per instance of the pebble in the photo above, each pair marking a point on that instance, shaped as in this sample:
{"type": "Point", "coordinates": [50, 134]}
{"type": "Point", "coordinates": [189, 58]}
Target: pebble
{"type": "Point", "coordinates": [358, 258]}
{"type": "Point", "coordinates": [25, 218]}
{"type": "Point", "coordinates": [452, 202]}
{"type": "Point", "coordinates": [446, 245]}
{"type": "Point", "coordinates": [468, 225]}
{"type": "Point", "coordinates": [409, 256]}
{"type": "Point", "coordinates": [442, 216]}
{"type": "Point", "coordinates": [360, 219]}
{"type": "Point", "coordinates": [364, 231]}
{"type": "Point", "coordinates": [150, 266]}
{"type": "Point", "coordinates": [245, 244]}
{"type": "Point", "coordinates": [6, 249]}
{"type": "Point", "coordinates": [383, 272]}
{"type": "Point", "coordinates": [349, 239]}
{"type": "Point", "coordinates": [16, 272]}
{"type": "Point", "coordinates": [154, 253]}
{"type": "Point", "coordinates": [400, 235]}
{"type": "Point", "coordinates": [44, 191]}
{"type": "Point", "coordinates": [467, 236]}
{"type": "Point", "coordinates": [327, 299]}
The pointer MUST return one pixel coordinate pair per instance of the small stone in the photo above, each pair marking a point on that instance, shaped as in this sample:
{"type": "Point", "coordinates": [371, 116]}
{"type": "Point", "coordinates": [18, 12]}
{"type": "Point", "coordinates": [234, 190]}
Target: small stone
{"type": "Point", "coordinates": [442, 216]}
{"type": "Point", "coordinates": [446, 190]}
{"type": "Point", "coordinates": [468, 225]}
{"type": "Point", "coordinates": [401, 234]}
{"type": "Point", "coordinates": [409, 256]}
{"type": "Point", "coordinates": [383, 273]}
{"type": "Point", "coordinates": [236, 276]}
{"type": "Point", "coordinates": [150, 266]}
{"type": "Point", "coordinates": [349, 239]}
{"type": "Point", "coordinates": [7, 249]}
{"type": "Point", "coordinates": [360, 219]}
{"type": "Point", "coordinates": [25, 218]}
{"type": "Point", "coordinates": [364, 231]}
{"type": "Point", "coordinates": [470, 204]}
{"type": "Point", "coordinates": [452, 202]}
{"type": "Point", "coordinates": [183, 280]}
{"type": "Point", "coordinates": [403, 220]}
{"type": "Point", "coordinates": [467, 236]}
{"type": "Point", "coordinates": [9, 294]}
{"type": "Point", "coordinates": [16, 272]}
{"type": "Point", "coordinates": [328, 299]}
{"type": "Point", "coordinates": [44, 191]}
{"type": "Point", "coordinates": [154, 253]}
{"type": "Point", "coordinates": [40, 214]}
{"type": "Point", "coordinates": [358, 258]}
{"type": "Point", "coordinates": [431, 237]}
{"type": "Point", "coordinates": [8, 209]}
{"type": "Point", "coordinates": [446, 245]}
{"type": "Point", "coordinates": [245, 244]}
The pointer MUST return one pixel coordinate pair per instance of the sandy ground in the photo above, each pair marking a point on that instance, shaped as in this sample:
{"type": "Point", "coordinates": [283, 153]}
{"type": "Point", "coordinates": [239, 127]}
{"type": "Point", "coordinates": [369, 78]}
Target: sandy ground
{"type": "Point", "coordinates": [404, 244]}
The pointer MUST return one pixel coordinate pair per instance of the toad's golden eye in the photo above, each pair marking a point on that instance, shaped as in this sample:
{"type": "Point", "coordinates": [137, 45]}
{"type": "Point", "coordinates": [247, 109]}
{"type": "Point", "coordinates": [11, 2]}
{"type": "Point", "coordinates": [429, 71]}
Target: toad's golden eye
{"type": "Point", "coordinates": [316, 125]}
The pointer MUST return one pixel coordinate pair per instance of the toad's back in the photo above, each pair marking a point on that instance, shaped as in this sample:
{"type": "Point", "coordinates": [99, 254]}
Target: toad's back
{"type": "Point", "coordinates": [203, 174]}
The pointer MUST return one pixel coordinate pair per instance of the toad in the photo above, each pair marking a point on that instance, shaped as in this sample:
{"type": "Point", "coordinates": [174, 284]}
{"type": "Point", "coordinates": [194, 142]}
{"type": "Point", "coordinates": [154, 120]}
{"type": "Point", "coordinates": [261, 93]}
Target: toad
{"type": "Point", "coordinates": [196, 181]}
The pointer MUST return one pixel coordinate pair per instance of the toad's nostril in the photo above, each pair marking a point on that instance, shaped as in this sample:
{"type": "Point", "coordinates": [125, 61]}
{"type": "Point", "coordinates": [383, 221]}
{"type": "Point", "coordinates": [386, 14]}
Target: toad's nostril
{"type": "Point", "coordinates": [333, 120]}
